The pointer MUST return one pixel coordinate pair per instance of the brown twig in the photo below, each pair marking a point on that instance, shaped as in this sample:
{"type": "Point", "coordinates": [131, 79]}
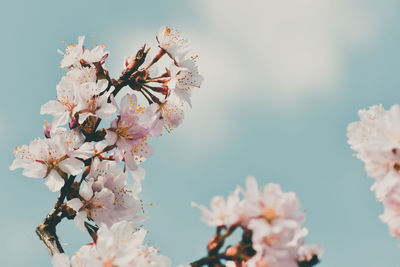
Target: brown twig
{"type": "Point", "coordinates": [212, 260]}
{"type": "Point", "coordinates": [46, 230]}
{"type": "Point", "coordinates": [215, 244]}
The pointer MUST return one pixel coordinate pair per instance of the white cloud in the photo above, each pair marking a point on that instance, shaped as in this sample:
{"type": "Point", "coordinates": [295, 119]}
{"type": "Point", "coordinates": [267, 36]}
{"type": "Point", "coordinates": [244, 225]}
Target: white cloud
{"type": "Point", "coordinates": [293, 47]}
{"type": "Point", "coordinates": [208, 123]}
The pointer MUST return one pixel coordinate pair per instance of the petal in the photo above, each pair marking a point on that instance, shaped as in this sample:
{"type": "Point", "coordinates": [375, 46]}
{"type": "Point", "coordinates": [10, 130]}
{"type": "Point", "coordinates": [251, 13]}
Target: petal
{"type": "Point", "coordinates": [84, 152]}
{"type": "Point", "coordinates": [102, 85]}
{"type": "Point", "coordinates": [35, 170]}
{"type": "Point", "coordinates": [111, 137]}
{"type": "Point", "coordinates": [75, 204]}
{"type": "Point", "coordinates": [128, 102]}
{"type": "Point", "coordinates": [83, 117]}
{"type": "Point", "coordinates": [112, 98]}
{"type": "Point", "coordinates": [252, 188]}
{"type": "Point", "coordinates": [79, 220]}
{"type": "Point", "coordinates": [130, 161]}
{"type": "Point", "coordinates": [60, 260]}
{"type": "Point", "coordinates": [118, 155]}
{"type": "Point", "coordinates": [54, 181]}
{"type": "Point", "coordinates": [72, 166]}
{"type": "Point", "coordinates": [19, 163]}
{"type": "Point", "coordinates": [52, 107]}
{"type": "Point", "coordinates": [58, 141]}
{"type": "Point", "coordinates": [106, 197]}
{"type": "Point", "coordinates": [60, 119]}
{"type": "Point", "coordinates": [124, 144]}
{"type": "Point", "coordinates": [39, 149]}
{"type": "Point", "coordinates": [106, 110]}
{"type": "Point", "coordinates": [57, 110]}
{"type": "Point", "coordinates": [86, 191]}
{"type": "Point", "coordinates": [75, 138]}
{"type": "Point", "coordinates": [138, 176]}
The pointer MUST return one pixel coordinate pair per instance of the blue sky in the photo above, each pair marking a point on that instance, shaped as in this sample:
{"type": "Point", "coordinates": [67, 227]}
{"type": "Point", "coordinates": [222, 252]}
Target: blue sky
{"type": "Point", "coordinates": [282, 81]}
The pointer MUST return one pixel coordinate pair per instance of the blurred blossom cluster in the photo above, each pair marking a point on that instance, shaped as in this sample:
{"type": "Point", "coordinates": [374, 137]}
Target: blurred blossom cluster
{"type": "Point", "coordinates": [117, 245]}
{"type": "Point", "coordinates": [376, 139]}
{"type": "Point", "coordinates": [271, 222]}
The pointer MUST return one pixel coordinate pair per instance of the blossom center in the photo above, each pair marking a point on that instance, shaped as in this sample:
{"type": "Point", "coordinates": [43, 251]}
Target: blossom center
{"type": "Point", "coordinates": [269, 214]}
{"type": "Point", "coordinates": [108, 263]}
{"type": "Point", "coordinates": [90, 207]}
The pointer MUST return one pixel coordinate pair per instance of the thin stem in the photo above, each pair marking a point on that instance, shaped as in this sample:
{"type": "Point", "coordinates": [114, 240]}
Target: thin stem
{"type": "Point", "coordinates": [106, 149]}
{"type": "Point", "coordinates": [216, 243]}
{"type": "Point", "coordinates": [162, 90]}
{"type": "Point", "coordinates": [153, 97]}
{"type": "Point", "coordinates": [147, 97]}
{"type": "Point", "coordinates": [159, 55]}
{"type": "Point", "coordinates": [220, 239]}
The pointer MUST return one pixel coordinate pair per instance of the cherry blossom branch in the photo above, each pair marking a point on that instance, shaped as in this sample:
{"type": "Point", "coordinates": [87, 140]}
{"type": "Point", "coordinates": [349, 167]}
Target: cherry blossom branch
{"type": "Point", "coordinates": [47, 229]}
{"type": "Point", "coordinates": [102, 199]}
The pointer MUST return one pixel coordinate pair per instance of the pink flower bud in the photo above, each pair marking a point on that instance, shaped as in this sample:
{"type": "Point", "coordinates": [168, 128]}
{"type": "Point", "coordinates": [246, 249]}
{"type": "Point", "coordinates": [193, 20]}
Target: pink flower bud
{"type": "Point", "coordinates": [47, 129]}
{"type": "Point", "coordinates": [73, 123]}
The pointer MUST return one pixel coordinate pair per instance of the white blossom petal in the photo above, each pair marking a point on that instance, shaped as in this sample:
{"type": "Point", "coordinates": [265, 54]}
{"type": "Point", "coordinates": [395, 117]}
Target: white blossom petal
{"type": "Point", "coordinates": [86, 191]}
{"type": "Point", "coordinates": [60, 260]}
{"type": "Point", "coordinates": [79, 220]}
{"type": "Point", "coordinates": [35, 170]}
{"type": "Point", "coordinates": [72, 166]}
{"type": "Point", "coordinates": [111, 137]}
{"type": "Point", "coordinates": [54, 181]}
{"type": "Point", "coordinates": [84, 152]}
{"type": "Point", "coordinates": [75, 204]}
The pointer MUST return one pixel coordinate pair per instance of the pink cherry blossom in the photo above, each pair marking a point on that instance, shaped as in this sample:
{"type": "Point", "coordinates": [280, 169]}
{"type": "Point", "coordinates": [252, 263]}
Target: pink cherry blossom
{"type": "Point", "coordinates": [222, 212]}
{"type": "Point", "coordinates": [274, 219]}
{"type": "Point", "coordinates": [134, 123]}
{"type": "Point", "coordinates": [172, 43]}
{"type": "Point", "coordinates": [376, 140]}
{"type": "Point", "coordinates": [184, 77]}
{"type": "Point", "coordinates": [74, 53]}
{"type": "Point", "coordinates": [119, 246]}
{"type": "Point", "coordinates": [52, 159]}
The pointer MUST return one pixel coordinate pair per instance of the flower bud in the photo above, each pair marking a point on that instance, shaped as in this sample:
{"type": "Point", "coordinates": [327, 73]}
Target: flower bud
{"type": "Point", "coordinates": [73, 123]}
{"type": "Point", "coordinates": [47, 129]}
{"type": "Point", "coordinates": [213, 243]}
{"type": "Point", "coordinates": [232, 251]}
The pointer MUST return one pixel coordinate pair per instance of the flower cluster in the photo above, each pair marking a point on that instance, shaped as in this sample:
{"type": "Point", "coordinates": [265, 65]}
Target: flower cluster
{"type": "Point", "coordinates": [118, 245]}
{"type": "Point", "coordinates": [78, 142]}
{"type": "Point", "coordinates": [376, 139]}
{"type": "Point", "coordinates": [271, 221]}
